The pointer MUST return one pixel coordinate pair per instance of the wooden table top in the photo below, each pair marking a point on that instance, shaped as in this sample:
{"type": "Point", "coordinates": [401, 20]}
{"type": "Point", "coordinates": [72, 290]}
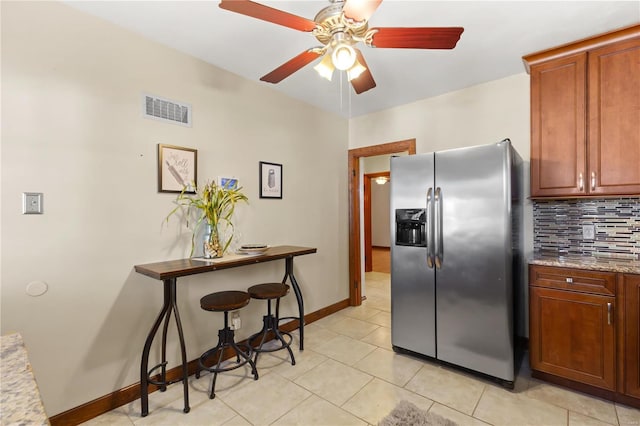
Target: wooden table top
{"type": "Point", "coordinates": [183, 267]}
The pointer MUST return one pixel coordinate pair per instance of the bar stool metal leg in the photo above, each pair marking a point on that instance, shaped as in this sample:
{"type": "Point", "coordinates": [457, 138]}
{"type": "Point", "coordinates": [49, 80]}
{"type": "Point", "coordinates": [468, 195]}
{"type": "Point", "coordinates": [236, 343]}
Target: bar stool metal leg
{"type": "Point", "coordinates": [226, 339]}
{"type": "Point", "coordinates": [270, 324]}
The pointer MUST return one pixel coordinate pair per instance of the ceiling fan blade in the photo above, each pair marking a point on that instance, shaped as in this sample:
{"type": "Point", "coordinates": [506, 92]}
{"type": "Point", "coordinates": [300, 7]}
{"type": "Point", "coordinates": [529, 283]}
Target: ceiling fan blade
{"type": "Point", "coordinates": [291, 66]}
{"type": "Point", "coordinates": [364, 81]}
{"type": "Point", "coordinates": [360, 10]}
{"type": "Point", "coordinates": [416, 38]}
{"type": "Point", "coordinates": [269, 14]}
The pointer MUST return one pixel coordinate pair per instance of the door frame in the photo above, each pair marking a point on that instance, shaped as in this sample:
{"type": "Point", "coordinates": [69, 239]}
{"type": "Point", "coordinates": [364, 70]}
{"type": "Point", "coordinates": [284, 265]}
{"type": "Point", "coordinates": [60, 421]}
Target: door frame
{"type": "Point", "coordinates": [355, 260]}
{"type": "Point", "coordinates": [368, 177]}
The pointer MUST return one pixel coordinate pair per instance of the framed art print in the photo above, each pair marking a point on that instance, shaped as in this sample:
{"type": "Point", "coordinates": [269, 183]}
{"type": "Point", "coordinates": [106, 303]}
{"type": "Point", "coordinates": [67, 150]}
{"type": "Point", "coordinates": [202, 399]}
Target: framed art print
{"type": "Point", "coordinates": [177, 169]}
{"type": "Point", "coordinates": [270, 180]}
{"type": "Point", "coordinates": [228, 182]}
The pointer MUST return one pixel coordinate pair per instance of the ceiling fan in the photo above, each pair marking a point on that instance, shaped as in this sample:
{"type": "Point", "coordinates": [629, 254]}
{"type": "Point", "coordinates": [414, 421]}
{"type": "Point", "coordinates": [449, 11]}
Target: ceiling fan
{"type": "Point", "coordinates": [339, 27]}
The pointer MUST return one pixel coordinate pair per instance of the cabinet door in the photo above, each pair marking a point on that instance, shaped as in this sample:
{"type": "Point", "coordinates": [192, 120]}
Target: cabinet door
{"type": "Point", "coordinates": [572, 336]}
{"type": "Point", "coordinates": [631, 336]}
{"type": "Point", "coordinates": [614, 119]}
{"type": "Point", "coordinates": [558, 123]}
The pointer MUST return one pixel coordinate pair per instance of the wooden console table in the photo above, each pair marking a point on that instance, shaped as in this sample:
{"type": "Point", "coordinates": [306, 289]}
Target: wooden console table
{"type": "Point", "coordinates": [168, 272]}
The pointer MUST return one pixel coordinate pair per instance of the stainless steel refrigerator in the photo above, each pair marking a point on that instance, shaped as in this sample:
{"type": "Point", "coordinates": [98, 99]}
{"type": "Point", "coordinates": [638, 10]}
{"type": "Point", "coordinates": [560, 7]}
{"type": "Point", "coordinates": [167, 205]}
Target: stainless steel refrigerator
{"type": "Point", "coordinates": [455, 256]}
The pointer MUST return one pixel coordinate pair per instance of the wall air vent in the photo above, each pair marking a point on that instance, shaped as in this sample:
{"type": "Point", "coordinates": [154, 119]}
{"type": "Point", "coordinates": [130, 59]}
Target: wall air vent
{"type": "Point", "coordinates": [166, 110]}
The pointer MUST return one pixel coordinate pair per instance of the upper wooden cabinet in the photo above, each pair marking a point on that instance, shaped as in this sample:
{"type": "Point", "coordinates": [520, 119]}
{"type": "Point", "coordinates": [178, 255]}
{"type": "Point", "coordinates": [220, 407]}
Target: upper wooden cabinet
{"type": "Point", "coordinates": [558, 126]}
{"type": "Point", "coordinates": [614, 118]}
{"type": "Point", "coordinates": [585, 117]}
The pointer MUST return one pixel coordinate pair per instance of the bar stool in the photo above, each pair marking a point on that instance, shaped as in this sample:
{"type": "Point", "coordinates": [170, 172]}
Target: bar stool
{"type": "Point", "coordinates": [225, 301]}
{"type": "Point", "coordinates": [269, 292]}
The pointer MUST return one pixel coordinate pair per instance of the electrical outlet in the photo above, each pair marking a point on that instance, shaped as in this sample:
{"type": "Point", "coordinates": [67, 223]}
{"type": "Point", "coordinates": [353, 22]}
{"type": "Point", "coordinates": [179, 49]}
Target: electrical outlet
{"type": "Point", "coordinates": [236, 322]}
{"type": "Point", "coordinates": [588, 232]}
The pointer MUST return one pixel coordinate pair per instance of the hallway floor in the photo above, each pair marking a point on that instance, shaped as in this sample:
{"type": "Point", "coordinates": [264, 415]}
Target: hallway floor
{"type": "Point", "coordinates": [349, 375]}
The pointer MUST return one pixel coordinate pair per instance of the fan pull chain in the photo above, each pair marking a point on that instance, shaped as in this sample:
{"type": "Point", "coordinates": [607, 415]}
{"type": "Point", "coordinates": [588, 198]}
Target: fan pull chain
{"type": "Point", "coordinates": [350, 98]}
{"type": "Point", "coordinates": [341, 92]}
{"type": "Point", "coordinates": [342, 87]}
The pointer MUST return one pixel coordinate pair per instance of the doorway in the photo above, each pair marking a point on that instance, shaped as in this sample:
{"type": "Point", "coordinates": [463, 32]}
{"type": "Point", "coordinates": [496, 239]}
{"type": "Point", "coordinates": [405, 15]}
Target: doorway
{"type": "Point", "coordinates": [376, 218]}
{"type": "Point", "coordinates": [355, 258]}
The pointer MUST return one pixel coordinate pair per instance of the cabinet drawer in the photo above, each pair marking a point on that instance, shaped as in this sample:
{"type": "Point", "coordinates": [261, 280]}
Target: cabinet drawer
{"type": "Point", "coordinates": [595, 282]}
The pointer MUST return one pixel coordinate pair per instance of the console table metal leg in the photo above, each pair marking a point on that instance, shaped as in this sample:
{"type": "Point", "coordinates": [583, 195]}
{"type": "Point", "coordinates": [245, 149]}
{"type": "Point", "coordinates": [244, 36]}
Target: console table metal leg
{"type": "Point", "coordinates": [165, 329]}
{"type": "Point", "coordinates": [185, 373]}
{"type": "Point", "coordinates": [144, 364]}
{"type": "Point", "coordinates": [298, 293]}
{"type": "Point", "coordinates": [169, 306]}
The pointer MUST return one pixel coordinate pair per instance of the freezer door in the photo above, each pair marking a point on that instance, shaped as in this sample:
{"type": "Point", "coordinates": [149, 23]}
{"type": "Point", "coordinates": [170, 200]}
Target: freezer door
{"type": "Point", "coordinates": [474, 296]}
{"type": "Point", "coordinates": [412, 281]}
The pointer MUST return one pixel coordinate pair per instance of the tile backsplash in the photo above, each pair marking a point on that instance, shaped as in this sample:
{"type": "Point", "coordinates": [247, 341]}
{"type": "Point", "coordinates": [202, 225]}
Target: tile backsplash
{"type": "Point", "coordinates": [558, 226]}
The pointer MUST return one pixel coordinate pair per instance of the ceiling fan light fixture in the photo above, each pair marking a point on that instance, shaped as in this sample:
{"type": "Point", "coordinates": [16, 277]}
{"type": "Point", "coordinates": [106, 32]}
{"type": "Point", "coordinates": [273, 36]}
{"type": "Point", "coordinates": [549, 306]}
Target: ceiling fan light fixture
{"type": "Point", "coordinates": [339, 27]}
{"type": "Point", "coordinates": [343, 56]}
{"type": "Point", "coordinates": [325, 67]}
{"type": "Point", "coordinates": [355, 70]}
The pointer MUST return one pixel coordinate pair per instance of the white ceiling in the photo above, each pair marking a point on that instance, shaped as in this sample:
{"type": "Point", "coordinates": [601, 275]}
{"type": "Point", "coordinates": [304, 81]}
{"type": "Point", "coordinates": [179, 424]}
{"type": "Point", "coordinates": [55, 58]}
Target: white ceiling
{"type": "Point", "coordinates": [497, 34]}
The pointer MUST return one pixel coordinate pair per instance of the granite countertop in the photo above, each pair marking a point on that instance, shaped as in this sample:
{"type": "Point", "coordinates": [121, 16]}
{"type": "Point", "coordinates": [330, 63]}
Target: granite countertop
{"type": "Point", "coordinates": [595, 263]}
{"type": "Point", "coordinates": [20, 403]}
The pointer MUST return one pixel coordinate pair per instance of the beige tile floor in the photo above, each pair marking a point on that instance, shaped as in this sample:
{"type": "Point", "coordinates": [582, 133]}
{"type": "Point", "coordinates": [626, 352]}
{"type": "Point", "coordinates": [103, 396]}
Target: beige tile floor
{"type": "Point", "coordinates": [349, 375]}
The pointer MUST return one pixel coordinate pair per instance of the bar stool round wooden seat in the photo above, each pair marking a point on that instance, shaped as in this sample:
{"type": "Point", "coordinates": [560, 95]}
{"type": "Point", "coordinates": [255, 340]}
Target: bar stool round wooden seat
{"type": "Point", "coordinates": [225, 301]}
{"type": "Point", "coordinates": [268, 292]}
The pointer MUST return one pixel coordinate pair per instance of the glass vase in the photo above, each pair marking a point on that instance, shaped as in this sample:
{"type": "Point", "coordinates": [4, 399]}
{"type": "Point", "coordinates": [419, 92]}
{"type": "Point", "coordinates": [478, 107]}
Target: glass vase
{"type": "Point", "coordinates": [211, 247]}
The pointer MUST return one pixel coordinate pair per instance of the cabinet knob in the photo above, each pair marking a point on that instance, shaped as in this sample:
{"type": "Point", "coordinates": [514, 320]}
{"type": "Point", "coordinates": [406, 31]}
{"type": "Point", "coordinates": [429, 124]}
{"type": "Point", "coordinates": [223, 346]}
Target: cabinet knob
{"type": "Point", "coordinates": [593, 180]}
{"type": "Point", "coordinates": [569, 280]}
{"type": "Point", "coordinates": [609, 307]}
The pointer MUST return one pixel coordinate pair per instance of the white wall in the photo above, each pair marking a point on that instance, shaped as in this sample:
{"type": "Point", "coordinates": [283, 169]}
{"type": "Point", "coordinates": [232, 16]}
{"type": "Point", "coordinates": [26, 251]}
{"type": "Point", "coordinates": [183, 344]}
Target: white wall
{"type": "Point", "coordinates": [478, 115]}
{"type": "Point", "coordinates": [72, 129]}
{"type": "Point", "coordinates": [375, 164]}
{"type": "Point", "coordinates": [380, 218]}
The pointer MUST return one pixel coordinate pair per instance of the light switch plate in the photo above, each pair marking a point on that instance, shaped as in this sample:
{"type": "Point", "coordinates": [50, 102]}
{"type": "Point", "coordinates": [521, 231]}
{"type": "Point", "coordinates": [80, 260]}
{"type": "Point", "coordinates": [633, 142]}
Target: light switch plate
{"type": "Point", "coordinates": [32, 203]}
{"type": "Point", "coordinates": [588, 232]}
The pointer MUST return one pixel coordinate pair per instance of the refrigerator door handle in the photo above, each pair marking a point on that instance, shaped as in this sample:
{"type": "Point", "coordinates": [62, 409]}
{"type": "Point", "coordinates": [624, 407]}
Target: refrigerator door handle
{"type": "Point", "coordinates": [438, 228]}
{"type": "Point", "coordinates": [429, 229]}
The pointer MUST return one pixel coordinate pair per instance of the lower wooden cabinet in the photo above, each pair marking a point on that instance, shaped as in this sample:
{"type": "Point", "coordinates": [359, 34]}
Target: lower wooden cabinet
{"type": "Point", "coordinates": [584, 330]}
{"type": "Point", "coordinates": [630, 335]}
{"type": "Point", "coordinates": [573, 335]}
